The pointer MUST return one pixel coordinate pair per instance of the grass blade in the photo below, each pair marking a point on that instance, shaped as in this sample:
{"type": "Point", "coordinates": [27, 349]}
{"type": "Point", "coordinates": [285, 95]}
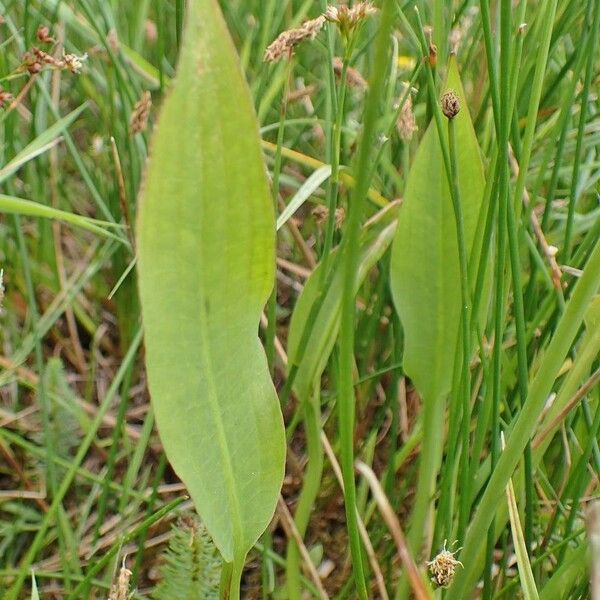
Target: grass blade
{"type": "Point", "coordinates": [526, 574]}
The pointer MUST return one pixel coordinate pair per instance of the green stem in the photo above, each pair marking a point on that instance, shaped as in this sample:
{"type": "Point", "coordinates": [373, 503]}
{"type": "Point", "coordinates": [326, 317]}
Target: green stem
{"type": "Point", "coordinates": [336, 149]}
{"type": "Point", "coordinates": [491, 60]}
{"type": "Point", "coordinates": [589, 74]}
{"type": "Point", "coordinates": [518, 304]}
{"type": "Point", "coordinates": [525, 424]}
{"type": "Point", "coordinates": [504, 118]}
{"type": "Point", "coordinates": [466, 329]}
{"type": "Point", "coordinates": [350, 255]}
{"type": "Point", "coordinates": [272, 302]}
{"type": "Point", "coordinates": [310, 490]}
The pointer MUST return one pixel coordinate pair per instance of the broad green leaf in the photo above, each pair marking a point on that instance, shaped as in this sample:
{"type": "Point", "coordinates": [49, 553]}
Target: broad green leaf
{"type": "Point", "coordinates": [375, 241]}
{"type": "Point", "coordinates": [425, 279]}
{"type": "Point", "coordinates": [206, 260]}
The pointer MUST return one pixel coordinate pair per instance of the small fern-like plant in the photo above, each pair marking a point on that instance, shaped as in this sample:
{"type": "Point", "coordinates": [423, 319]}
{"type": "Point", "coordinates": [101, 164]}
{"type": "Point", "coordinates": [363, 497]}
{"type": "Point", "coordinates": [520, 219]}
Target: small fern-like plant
{"type": "Point", "coordinates": [192, 564]}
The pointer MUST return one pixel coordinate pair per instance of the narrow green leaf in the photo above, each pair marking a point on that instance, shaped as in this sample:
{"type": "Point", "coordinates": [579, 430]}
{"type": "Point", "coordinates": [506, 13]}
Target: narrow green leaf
{"type": "Point", "coordinates": [375, 241]}
{"type": "Point", "coordinates": [569, 573]}
{"type": "Point", "coordinates": [46, 140]}
{"type": "Point", "coordinates": [35, 595]}
{"type": "Point", "coordinates": [307, 189]}
{"type": "Point", "coordinates": [525, 573]}
{"type": "Point", "coordinates": [425, 278]}
{"type": "Point", "coordinates": [526, 422]}
{"type": "Point", "coordinates": [19, 206]}
{"type": "Point", "coordinates": [206, 259]}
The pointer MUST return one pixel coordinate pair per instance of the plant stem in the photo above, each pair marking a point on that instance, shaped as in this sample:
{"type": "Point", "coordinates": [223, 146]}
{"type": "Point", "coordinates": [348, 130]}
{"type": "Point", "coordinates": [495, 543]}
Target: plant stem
{"type": "Point", "coordinates": [525, 423]}
{"type": "Point", "coordinates": [272, 302]}
{"type": "Point", "coordinates": [466, 329]}
{"type": "Point", "coordinates": [350, 254]}
{"type": "Point", "coordinates": [310, 489]}
{"type": "Point", "coordinates": [504, 118]}
{"type": "Point", "coordinates": [589, 74]}
{"type": "Point", "coordinates": [336, 149]}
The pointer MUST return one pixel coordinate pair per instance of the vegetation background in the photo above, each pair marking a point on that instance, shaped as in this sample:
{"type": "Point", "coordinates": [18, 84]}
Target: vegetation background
{"type": "Point", "coordinates": [89, 505]}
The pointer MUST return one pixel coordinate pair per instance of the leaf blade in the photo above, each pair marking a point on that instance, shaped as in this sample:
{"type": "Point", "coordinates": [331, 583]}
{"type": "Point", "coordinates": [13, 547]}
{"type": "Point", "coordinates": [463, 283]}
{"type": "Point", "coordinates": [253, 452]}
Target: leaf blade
{"type": "Point", "coordinates": [206, 208]}
{"type": "Point", "coordinates": [425, 277]}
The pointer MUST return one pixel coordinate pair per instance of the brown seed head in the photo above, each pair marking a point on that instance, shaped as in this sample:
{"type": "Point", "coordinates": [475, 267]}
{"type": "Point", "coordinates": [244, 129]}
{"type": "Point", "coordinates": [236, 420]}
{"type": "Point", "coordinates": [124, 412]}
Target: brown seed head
{"type": "Point", "coordinates": [354, 78]}
{"type": "Point", "coordinates": [43, 35]}
{"type": "Point", "coordinates": [285, 43]}
{"type": "Point", "coordinates": [31, 61]}
{"type": "Point", "coordinates": [321, 213]}
{"type": "Point", "coordinates": [407, 123]}
{"type": "Point", "coordinates": [450, 104]}
{"type": "Point", "coordinates": [120, 589]}
{"type": "Point", "coordinates": [347, 19]}
{"type": "Point", "coordinates": [433, 52]}
{"type": "Point", "coordinates": [140, 114]}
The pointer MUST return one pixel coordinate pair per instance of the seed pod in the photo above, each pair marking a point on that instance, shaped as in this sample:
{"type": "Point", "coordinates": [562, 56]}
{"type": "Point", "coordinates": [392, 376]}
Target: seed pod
{"type": "Point", "coordinates": [450, 104]}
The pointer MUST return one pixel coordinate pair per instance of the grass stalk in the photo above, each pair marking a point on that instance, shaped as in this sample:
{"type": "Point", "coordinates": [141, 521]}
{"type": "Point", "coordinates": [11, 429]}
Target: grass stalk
{"type": "Point", "coordinates": [310, 490]}
{"type": "Point", "coordinates": [346, 398]}
{"type": "Point", "coordinates": [520, 433]}
{"type": "Point", "coordinates": [585, 92]}
{"type": "Point", "coordinates": [465, 384]}
{"type": "Point", "coordinates": [504, 118]}
{"type": "Point", "coordinates": [272, 302]}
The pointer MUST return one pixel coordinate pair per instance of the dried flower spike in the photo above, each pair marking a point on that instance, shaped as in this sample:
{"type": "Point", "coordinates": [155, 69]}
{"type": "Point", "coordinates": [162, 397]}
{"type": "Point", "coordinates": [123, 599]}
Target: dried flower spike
{"type": "Point", "coordinates": [407, 124]}
{"type": "Point", "coordinates": [354, 78]}
{"type": "Point", "coordinates": [120, 589]}
{"type": "Point", "coordinates": [443, 567]}
{"type": "Point", "coordinates": [347, 19]}
{"type": "Point", "coordinates": [35, 59]}
{"type": "Point", "coordinates": [43, 35]}
{"type": "Point", "coordinates": [450, 104]}
{"type": "Point", "coordinates": [140, 113]}
{"type": "Point", "coordinates": [321, 213]}
{"type": "Point", "coordinates": [73, 62]}
{"type": "Point", "coordinates": [286, 42]}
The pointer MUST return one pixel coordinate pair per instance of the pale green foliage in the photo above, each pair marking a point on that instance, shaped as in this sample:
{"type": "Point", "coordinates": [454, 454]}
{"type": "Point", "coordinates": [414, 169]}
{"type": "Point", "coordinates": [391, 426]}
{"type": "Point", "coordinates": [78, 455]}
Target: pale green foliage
{"type": "Point", "coordinates": [192, 565]}
{"type": "Point", "coordinates": [425, 278]}
{"type": "Point", "coordinates": [206, 241]}
{"type": "Point", "coordinates": [35, 595]}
